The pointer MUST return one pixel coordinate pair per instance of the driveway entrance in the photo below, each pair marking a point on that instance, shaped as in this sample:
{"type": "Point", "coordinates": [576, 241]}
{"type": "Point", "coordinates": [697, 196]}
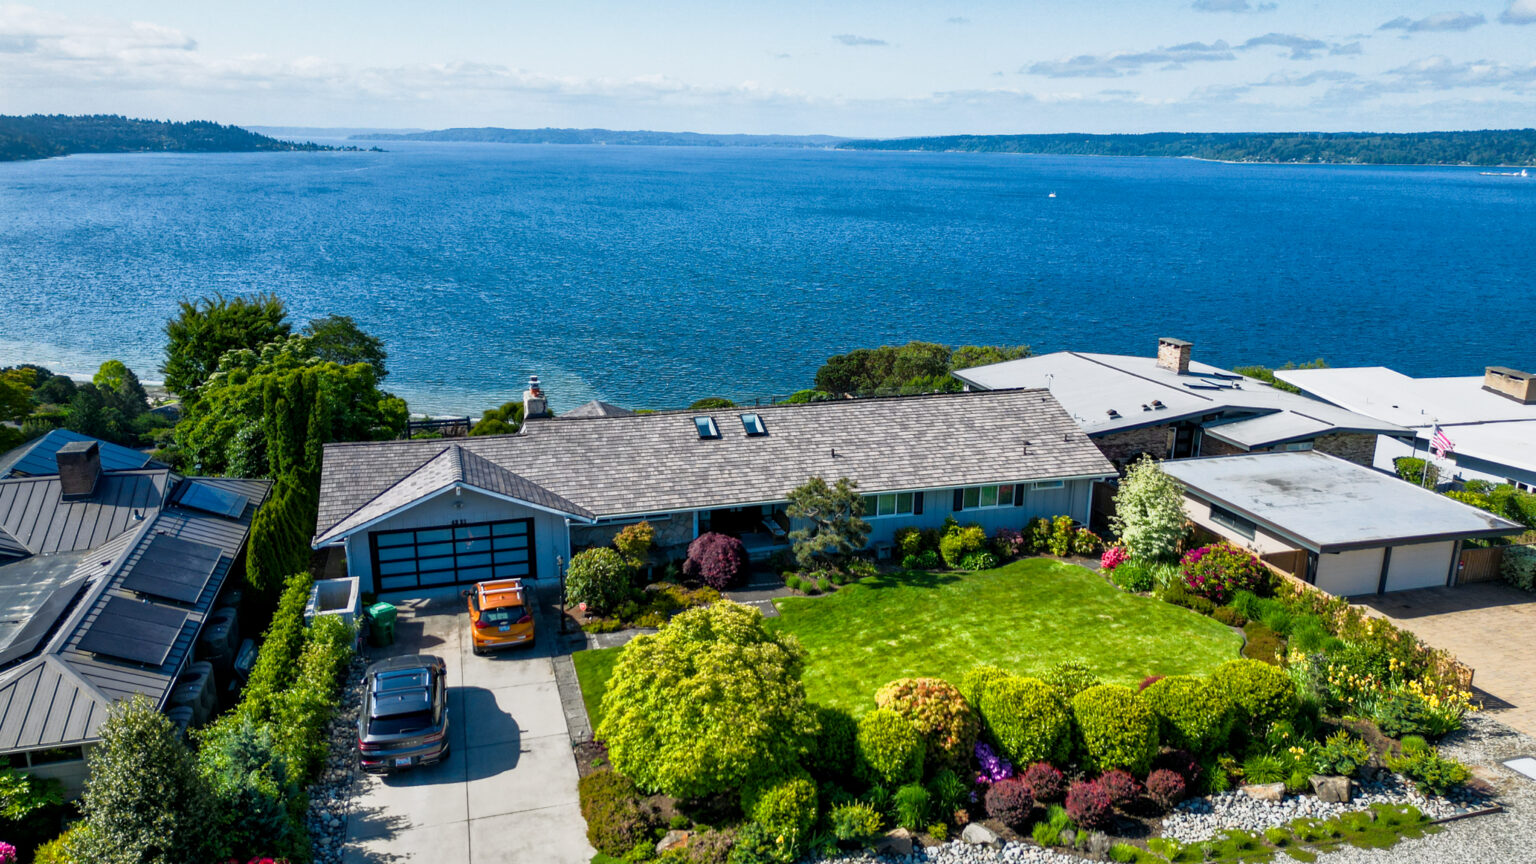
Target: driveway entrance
{"type": "Point", "coordinates": [507, 792]}
{"type": "Point", "coordinates": [1488, 626]}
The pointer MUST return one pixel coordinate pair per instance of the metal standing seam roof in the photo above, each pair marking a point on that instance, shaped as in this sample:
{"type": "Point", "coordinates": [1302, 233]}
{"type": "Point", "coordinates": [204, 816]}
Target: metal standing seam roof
{"type": "Point", "coordinates": [1090, 386]}
{"type": "Point", "coordinates": [36, 458]}
{"type": "Point", "coordinates": [60, 696]}
{"type": "Point", "coordinates": [1329, 504]}
{"type": "Point", "coordinates": [35, 517]}
{"type": "Point", "coordinates": [656, 463]}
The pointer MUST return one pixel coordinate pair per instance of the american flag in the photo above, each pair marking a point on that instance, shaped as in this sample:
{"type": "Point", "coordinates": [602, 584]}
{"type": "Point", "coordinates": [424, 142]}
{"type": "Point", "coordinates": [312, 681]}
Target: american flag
{"type": "Point", "coordinates": [1441, 444]}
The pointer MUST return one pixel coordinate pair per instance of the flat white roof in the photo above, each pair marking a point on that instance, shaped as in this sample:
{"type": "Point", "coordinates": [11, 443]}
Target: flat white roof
{"type": "Point", "coordinates": [1328, 504]}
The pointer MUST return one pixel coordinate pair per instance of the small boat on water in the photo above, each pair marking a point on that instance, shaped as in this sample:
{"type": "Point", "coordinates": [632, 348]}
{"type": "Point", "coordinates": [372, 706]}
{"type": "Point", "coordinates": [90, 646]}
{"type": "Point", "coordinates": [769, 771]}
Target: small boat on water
{"type": "Point", "coordinates": [1052, 195]}
{"type": "Point", "coordinates": [1523, 172]}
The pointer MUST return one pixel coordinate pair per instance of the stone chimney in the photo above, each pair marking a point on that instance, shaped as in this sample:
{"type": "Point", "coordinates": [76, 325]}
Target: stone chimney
{"type": "Point", "coordinates": [1173, 355]}
{"type": "Point", "coordinates": [79, 469]}
{"type": "Point", "coordinates": [1511, 384]}
{"type": "Point", "coordinates": [535, 407]}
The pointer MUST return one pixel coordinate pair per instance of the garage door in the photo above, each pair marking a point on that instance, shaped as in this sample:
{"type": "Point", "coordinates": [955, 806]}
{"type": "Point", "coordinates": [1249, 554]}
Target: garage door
{"type": "Point", "coordinates": [1346, 573]}
{"type": "Point", "coordinates": [453, 554]}
{"type": "Point", "coordinates": [1421, 565]}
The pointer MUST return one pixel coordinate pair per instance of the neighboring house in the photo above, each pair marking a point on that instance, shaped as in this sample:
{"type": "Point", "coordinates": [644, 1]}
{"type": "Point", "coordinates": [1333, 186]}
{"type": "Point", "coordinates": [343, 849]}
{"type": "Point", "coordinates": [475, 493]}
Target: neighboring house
{"type": "Point", "coordinates": [36, 457]}
{"type": "Point", "coordinates": [1491, 421]}
{"type": "Point", "coordinates": [595, 408]}
{"type": "Point", "coordinates": [414, 514]}
{"type": "Point", "coordinates": [1170, 407]}
{"type": "Point", "coordinates": [1343, 527]}
{"type": "Point", "coordinates": [106, 575]}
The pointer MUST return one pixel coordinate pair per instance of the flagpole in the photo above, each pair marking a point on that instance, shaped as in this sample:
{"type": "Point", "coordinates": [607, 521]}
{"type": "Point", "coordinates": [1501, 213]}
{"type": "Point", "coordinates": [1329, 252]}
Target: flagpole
{"type": "Point", "coordinates": [1430, 449]}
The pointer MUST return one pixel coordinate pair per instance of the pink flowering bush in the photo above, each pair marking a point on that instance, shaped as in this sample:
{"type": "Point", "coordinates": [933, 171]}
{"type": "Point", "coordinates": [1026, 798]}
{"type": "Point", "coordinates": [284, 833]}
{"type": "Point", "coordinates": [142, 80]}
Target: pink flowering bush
{"type": "Point", "coordinates": [1219, 570]}
{"type": "Point", "coordinates": [1008, 543]}
{"type": "Point", "coordinates": [1113, 557]}
{"type": "Point", "coordinates": [7, 853]}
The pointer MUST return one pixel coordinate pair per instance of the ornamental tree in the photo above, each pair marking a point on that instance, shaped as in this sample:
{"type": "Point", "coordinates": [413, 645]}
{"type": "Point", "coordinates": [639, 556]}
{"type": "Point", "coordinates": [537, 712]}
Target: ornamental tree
{"type": "Point", "coordinates": [1149, 512]}
{"type": "Point", "coordinates": [713, 703]}
{"type": "Point", "coordinates": [717, 560]}
{"type": "Point", "coordinates": [835, 514]}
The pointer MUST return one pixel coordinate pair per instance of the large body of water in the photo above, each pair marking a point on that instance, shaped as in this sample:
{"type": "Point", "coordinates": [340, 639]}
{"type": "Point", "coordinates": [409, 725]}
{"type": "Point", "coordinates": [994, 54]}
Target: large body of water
{"type": "Point", "coordinates": [654, 276]}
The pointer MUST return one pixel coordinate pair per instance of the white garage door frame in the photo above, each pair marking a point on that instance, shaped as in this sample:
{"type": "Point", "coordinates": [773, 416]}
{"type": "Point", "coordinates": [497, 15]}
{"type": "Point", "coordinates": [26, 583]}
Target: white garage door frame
{"type": "Point", "coordinates": [453, 554]}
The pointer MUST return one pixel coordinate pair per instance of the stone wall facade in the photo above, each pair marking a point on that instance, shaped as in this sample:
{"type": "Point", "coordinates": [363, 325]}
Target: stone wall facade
{"type": "Point", "coordinates": [672, 534]}
{"type": "Point", "coordinates": [1123, 448]}
{"type": "Point", "coordinates": [1356, 447]}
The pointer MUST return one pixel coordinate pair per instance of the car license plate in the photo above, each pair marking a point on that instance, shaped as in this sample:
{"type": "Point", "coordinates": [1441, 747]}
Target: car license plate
{"type": "Point", "coordinates": [403, 762]}
{"type": "Point", "coordinates": [505, 627]}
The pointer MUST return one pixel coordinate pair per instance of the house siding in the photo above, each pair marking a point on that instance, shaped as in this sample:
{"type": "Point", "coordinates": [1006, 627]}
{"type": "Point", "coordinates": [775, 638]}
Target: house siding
{"type": "Point", "coordinates": [1070, 500]}
{"type": "Point", "coordinates": [549, 530]}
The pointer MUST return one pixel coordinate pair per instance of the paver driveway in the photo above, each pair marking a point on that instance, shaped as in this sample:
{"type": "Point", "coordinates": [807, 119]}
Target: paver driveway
{"type": "Point", "coordinates": [507, 792]}
{"type": "Point", "coordinates": [1488, 626]}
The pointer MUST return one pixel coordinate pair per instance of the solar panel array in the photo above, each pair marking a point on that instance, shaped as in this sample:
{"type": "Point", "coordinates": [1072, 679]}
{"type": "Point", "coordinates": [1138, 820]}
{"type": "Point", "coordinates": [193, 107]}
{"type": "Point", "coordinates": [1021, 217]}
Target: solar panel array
{"type": "Point", "coordinates": [173, 568]}
{"type": "Point", "coordinates": [219, 502]}
{"type": "Point", "coordinates": [135, 631]}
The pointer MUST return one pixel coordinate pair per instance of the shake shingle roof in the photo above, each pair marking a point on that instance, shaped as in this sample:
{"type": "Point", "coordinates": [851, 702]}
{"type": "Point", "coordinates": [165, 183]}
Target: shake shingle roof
{"type": "Point", "coordinates": [655, 463]}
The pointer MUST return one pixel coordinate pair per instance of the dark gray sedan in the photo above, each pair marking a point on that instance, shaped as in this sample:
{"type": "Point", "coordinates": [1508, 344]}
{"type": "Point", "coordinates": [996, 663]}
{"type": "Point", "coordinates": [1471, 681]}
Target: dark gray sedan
{"type": "Point", "coordinates": [404, 719]}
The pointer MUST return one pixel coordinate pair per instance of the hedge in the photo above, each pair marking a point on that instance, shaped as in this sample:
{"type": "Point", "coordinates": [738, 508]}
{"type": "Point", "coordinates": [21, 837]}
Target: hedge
{"type": "Point", "coordinates": [1027, 720]}
{"type": "Point", "coordinates": [1116, 728]}
{"type": "Point", "coordinates": [888, 750]}
{"type": "Point", "coordinates": [1192, 714]}
{"type": "Point", "coordinates": [1259, 693]}
{"type": "Point", "coordinates": [948, 724]}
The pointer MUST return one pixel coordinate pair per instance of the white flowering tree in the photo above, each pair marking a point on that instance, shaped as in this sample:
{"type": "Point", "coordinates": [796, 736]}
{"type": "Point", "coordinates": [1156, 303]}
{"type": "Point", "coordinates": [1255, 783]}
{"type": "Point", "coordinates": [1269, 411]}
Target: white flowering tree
{"type": "Point", "coordinates": [1149, 512]}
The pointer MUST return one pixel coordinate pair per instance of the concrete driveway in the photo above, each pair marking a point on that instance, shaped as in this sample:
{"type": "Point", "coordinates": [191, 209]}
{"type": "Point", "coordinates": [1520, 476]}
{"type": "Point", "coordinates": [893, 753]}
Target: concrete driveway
{"type": "Point", "coordinates": [507, 792]}
{"type": "Point", "coordinates": [1488, 626]}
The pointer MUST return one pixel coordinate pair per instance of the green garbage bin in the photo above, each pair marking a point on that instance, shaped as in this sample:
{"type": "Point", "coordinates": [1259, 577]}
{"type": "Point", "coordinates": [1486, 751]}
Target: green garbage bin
{"type": "Point", "coordinates": [381, 624]}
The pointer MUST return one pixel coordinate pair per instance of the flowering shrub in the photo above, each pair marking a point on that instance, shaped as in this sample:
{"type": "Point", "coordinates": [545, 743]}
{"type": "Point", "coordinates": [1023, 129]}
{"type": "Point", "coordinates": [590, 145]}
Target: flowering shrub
{"type": "Point", "coordinates": [1008, 543]}
{"type": "Point", "coordinates": [1010, 802]}
{"type": "Point", "coordinates": [1113, 557]}
{"type": "Point", "coordinates": [948, 724]}
{"type": "Point", "coordinates": [1116, 729]}
{"type": "Point", "coordinates": [7, 853]}
{"type": "Point", "coordinates": [1120, 786]}
{"type": "Point", "coordinates": [1045, 782]}
{"type": "Point", "coordinates": [1219, 570]}
{"type": "Point", "coordinates": [993, 766]}
{"type": "Point", "coordinates": [1166, 788]}
{"type": "Point", "coordinates": [1088, 804]}
{"type": "Point", "coordinates": [717, 560]}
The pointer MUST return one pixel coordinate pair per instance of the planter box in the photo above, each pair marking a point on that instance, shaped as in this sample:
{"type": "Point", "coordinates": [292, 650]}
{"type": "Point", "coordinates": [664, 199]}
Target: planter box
{"type": "Point", "coordinates": [334, 597]}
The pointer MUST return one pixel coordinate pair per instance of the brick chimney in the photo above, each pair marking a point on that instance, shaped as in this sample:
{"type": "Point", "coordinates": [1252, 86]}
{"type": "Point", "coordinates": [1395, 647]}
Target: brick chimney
{"type": "Point", "coordinates": [1511, 384]}
{"type": "Point", "coordinates": [79, 469]}
{"type": "Point", "coordinates": [535, 407]}
{"type": "Point", "coordinates": [1173, 355]}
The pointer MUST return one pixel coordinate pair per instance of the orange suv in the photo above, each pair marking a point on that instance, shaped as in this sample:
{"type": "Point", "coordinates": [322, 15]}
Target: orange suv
{"type": "Point", "coordinates": [500, 615]}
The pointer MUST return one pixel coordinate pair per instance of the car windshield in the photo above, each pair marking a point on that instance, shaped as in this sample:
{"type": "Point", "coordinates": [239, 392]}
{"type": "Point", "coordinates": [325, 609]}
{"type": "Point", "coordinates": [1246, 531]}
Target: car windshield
{"type": "Point", "coordinates": [504, 615]}
{"type": "Point", "coordinates": [401, 724]}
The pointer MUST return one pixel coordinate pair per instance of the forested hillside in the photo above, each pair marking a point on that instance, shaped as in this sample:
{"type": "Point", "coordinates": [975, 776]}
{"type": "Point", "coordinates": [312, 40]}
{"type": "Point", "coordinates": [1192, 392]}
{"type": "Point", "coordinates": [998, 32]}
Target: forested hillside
{"type": "Point", "coordinates": [38, 136]}
{"type": "Point", "coordinates": [1483, 147]}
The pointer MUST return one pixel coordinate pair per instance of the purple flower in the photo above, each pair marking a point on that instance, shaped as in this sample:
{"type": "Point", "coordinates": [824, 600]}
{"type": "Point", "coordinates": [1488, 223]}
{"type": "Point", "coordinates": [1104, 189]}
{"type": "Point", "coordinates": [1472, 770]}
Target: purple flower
{"type": "Point", "coordinates": [993, 767]}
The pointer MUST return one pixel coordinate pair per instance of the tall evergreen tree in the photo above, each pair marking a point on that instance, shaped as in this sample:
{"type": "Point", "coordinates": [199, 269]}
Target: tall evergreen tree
{"type": "Point", "coordinates": [204, 329]}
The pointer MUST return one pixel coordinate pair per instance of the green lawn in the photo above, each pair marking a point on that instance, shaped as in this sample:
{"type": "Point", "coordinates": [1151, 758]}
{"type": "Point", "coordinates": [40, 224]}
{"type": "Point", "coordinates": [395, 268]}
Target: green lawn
{"type": "Point", "coordinates": [1026, 617]}
{"type": "Point", "coordinates": [593, 668]}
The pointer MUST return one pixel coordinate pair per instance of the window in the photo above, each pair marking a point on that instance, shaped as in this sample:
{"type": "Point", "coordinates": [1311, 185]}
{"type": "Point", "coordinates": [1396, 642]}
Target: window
{"type": "Point", "coordinates": [1223, 516]}
{"type": "Point", "coordinates": [890, 504]}
{"type": "Point", "coordinates": [1048, 484]}
{"type": "Point", "coordinates": [1295, 446]}
{"type": "Point", "coordinates": [753, 423]}
{"type": "Point", "coordinates": [707, 428]}
{"type": "Point", "coordinates": [984, 497]}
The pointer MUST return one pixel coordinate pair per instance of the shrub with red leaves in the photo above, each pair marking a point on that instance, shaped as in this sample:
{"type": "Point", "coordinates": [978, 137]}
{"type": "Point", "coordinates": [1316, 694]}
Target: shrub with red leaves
{"type": "Point", "coordinates": [1045, 782]}
{"type": "Point", "coordinates": [717, 560]}
{"type": "Point", "coordinates": [1180, 762]}
{"type": "Point", "coordinates": [1120, 786]}
{"type": "Point", "coordinates": [1010, 802]}
{"type": "Point", "coordinates": [1149, 681]}
{"type": "Point", "coordinates": [1088, 804]}
{"type": "Point", "coordinates": [1166, 788]}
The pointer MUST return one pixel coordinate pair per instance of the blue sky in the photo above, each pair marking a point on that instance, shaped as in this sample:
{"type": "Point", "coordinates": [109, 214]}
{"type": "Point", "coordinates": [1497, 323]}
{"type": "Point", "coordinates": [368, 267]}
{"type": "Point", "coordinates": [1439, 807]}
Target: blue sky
{"type": "Point", "coordinates": [848, 68]}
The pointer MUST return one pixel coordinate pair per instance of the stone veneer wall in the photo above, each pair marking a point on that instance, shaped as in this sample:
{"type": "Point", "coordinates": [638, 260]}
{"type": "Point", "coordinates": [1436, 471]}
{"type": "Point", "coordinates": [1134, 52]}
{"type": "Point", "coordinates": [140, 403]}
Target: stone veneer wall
{"type": "Point", "coordinates": [673, 532]}
{"type": "Point", "coordinates": [1356, 447]}
{"type": "Point", "coordinates": [1122, 448]}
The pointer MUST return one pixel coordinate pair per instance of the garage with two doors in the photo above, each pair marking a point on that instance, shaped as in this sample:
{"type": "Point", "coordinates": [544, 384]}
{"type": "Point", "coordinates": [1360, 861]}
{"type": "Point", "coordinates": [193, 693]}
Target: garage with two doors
{"type": "Point", "coordinates": [1362, 531]}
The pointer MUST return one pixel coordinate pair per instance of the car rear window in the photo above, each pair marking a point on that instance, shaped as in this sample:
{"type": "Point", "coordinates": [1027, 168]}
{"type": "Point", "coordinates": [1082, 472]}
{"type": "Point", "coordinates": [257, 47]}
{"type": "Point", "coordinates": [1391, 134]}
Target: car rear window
{"type": "Point", "coordinates": [504, 615]}
{"type": "Point", "coordinates": [401, 724]}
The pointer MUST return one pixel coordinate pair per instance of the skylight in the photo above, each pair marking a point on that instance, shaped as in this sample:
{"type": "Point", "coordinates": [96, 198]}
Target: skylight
{"type": "Point", "coordinates": [706, 426]}
{"type": "Point", "coordinates": [754, 425]}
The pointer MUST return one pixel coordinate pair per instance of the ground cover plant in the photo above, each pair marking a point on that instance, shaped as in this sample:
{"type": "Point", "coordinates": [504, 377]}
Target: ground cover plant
{"type": "Point", "coordinates": [1027, 617]}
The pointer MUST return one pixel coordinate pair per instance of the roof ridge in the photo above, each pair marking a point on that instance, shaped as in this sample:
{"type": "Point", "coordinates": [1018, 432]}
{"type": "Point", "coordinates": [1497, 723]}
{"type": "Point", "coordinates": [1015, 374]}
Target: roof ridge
{"type": "Point", "coordinates": [408, 475]}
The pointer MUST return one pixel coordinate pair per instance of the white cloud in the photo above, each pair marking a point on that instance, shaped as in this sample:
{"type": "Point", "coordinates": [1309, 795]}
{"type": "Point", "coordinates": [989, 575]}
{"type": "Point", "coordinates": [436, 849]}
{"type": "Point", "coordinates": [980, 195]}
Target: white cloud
{"type": "Point", "coordinates": [1129, 63]}
{"type": "Point", "coordinates": [1301, 47]}
{"type": "Point", "coordinates": [1520, 12]}
{"type": "Point", "coordinates": [1442, 73]}
{"type": "Point", "coordinates": [1443, 22]}
{"type": "Point", "coordinates": [860, 41]}
{"type": "Point", "coordinates": [1231, 6]}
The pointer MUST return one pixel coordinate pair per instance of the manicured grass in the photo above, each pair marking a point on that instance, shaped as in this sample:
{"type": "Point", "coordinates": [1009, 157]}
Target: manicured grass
{"type": "Point", "coordinates": [1025, 617]}
{"type": "Point", "coordinates": [593, 669]}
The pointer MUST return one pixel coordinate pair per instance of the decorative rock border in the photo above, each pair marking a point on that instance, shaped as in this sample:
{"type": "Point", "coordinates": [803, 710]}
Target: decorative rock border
{"type": "Point", "coordinates": [330, 797]}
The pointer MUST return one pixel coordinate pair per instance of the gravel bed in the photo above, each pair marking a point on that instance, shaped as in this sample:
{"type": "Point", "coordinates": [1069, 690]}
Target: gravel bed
{"type": "Point", "coordinates": [330, 797]}
{"type": "Point", "coordinates": [1507, 836]}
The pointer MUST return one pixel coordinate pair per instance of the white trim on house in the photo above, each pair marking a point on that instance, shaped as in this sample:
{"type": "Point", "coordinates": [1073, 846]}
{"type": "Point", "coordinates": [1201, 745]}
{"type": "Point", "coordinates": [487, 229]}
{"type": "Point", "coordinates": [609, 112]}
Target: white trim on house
{"type": "Point", "coordinates": [337, 539]}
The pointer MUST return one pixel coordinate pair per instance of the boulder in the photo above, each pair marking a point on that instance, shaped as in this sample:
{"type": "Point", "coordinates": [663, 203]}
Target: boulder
{"type": "Point", "coordinates": [1271, 792]}
{"type": "Point", "coordinates": [978, 834]}
{"type": "Point", "coordinates": [897, 841]}
{"type": "Point", "coordinates": [674, 840]}
{"type": "Point", "coordinates": [1332, 789]}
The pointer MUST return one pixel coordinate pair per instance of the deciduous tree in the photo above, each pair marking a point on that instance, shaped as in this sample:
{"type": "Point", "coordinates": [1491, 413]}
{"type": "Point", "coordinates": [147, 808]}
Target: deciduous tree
{"type": "Point", "coordinates": [337, 339]}
{"type": "Point", "coordinates": [1149, 512]}
{"type": "Point", "coordinates": [204, 329]}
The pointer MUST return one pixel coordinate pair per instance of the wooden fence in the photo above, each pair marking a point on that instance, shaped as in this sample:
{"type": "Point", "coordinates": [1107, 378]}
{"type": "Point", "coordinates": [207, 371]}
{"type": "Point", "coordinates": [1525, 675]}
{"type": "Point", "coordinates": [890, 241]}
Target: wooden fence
{"type": "Point", "coordinates": [1479, 565]}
